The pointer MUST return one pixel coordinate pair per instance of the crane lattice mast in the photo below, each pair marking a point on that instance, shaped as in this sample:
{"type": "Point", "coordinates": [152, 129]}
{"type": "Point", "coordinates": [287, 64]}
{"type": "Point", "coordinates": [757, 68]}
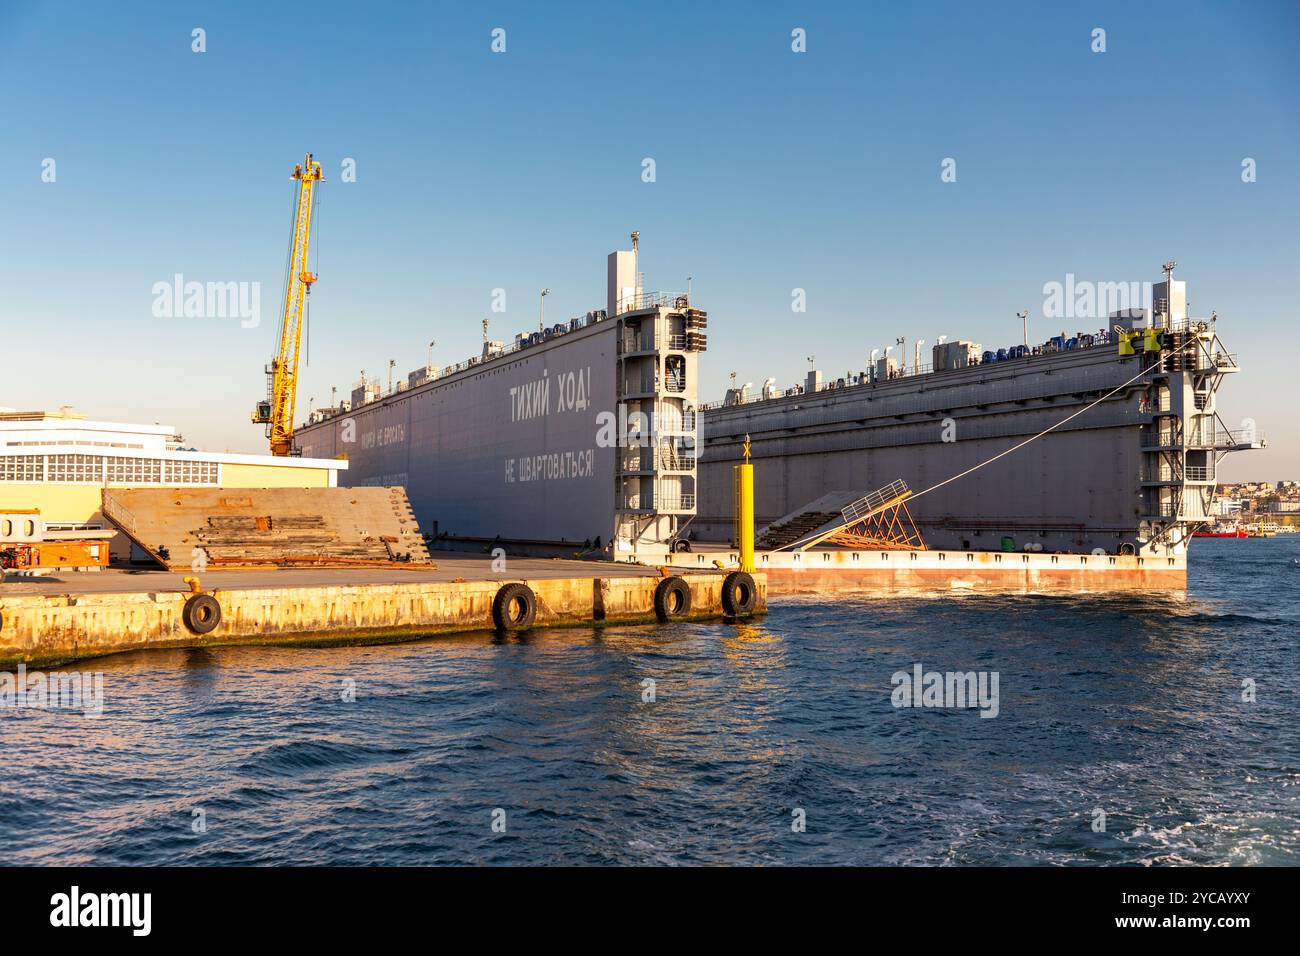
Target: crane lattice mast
{"type": "Point", "coordinates": [282, 374]}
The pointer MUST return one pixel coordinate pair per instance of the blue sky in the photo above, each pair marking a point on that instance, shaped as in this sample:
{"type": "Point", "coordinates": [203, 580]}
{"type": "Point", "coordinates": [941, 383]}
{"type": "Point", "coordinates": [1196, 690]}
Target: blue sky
{"type": "Point", "coordinates": [774, 171]}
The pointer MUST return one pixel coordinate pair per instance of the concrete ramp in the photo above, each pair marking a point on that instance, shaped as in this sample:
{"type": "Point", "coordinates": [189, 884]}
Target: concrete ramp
{"type": "Point", "coordinates": [810, 520]}
{"type": "Point", "coordinates": [195, 528]}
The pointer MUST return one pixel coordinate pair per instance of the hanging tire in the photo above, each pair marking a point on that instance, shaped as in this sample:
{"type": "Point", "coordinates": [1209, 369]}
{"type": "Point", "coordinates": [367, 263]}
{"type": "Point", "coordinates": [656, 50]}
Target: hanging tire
{"type": "Point", "coordinates": [739, 594]}
{"type": "Point", "coordinates": [681, 546]}
{"type": "Point", "coordinates": [514, 608]}
{"type": "Point", "coordinates": [672, 599]}
{"type": "Point", "coordinates": [201, 613]}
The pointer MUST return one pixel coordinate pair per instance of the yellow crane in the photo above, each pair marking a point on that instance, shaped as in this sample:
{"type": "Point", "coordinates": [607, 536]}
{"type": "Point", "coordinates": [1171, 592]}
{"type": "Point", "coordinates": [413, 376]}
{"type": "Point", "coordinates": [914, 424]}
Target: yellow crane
{"type": "Point", "coordinates": [277, 411]}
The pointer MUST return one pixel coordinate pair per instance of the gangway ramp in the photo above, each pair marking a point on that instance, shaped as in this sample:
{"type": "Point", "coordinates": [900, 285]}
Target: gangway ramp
{"type": "Point", "coordinates": [878, 520]}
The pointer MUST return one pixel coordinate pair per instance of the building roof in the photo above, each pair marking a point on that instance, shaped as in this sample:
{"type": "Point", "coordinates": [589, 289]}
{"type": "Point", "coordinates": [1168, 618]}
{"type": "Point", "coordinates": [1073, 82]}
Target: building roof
{"type": "Point", "coordinates": [64, 432]}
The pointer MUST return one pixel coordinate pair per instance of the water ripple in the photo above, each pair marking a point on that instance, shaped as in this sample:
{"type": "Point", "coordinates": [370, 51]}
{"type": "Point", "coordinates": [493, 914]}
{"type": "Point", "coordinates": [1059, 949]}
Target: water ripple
{"type": "Point", "coordinates": [1125, 704]}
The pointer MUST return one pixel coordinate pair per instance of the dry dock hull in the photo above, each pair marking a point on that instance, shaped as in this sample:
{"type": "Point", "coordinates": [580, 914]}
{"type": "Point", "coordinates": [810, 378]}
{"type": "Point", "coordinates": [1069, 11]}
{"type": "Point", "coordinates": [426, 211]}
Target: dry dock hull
{"type": "Point", "coordinates": [984, 571]}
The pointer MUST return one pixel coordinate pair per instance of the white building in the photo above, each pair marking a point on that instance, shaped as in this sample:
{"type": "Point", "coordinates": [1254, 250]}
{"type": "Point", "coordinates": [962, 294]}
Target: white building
{"type": "Point", "coordinates": [1227, 507]}
{"type": "Point", "coordinates": [60, 462]}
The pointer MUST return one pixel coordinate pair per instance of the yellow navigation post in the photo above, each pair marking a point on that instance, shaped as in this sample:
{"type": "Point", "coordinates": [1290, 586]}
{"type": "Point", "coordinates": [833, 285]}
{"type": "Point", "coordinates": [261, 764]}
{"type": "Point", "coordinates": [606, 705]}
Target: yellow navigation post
{"type": "Point", "coordinates": [745, 511]}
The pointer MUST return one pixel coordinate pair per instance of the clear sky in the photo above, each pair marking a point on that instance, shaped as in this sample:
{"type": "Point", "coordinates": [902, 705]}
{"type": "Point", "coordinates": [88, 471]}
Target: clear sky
{"type": "Point", "coordinates": [774, 170]}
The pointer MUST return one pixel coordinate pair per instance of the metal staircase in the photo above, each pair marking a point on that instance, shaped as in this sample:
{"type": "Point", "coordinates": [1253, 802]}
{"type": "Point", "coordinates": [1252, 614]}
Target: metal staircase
{"type": "Point", "coordinates": [876, 521]}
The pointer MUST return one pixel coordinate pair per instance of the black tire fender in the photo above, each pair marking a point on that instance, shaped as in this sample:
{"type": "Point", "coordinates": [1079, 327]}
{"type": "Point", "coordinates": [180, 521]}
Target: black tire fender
{"type": "Point", "coordinates": [739, 593]}
{"type": "Point", "coordinates": [672, 598]}
{"type": "Point", "coordinates": [201, 614]}
{"type": "Point", "coordinates": [514, 608]}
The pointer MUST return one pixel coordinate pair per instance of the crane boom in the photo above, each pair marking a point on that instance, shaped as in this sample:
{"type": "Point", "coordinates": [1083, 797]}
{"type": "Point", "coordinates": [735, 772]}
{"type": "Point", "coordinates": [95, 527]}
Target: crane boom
{"type": "Point", "coordinates": [282, 374]}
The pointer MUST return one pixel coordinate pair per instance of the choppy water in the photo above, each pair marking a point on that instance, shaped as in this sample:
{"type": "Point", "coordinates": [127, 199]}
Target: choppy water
{"type": "Point", "coordinates": [1131, 704]}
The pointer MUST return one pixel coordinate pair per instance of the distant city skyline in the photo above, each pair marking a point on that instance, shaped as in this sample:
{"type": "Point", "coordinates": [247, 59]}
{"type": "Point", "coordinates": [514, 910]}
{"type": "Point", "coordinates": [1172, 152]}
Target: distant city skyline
{"type": "Point", "coordinates": [910, 172]}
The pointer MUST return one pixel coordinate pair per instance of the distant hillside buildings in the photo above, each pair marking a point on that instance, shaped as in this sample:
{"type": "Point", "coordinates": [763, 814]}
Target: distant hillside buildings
{"type": "Point", "coordinates": [1255, 499]}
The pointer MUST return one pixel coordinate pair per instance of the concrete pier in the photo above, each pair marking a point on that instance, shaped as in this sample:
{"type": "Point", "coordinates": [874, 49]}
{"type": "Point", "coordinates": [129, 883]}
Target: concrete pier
{"type": "Point", "coordinates": [45, 621]}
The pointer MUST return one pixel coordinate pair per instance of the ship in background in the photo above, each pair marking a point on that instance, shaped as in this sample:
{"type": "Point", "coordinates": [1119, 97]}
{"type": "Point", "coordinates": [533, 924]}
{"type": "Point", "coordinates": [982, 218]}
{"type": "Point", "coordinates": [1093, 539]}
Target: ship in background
{"type": "Point", "coordinates": [589, 432]}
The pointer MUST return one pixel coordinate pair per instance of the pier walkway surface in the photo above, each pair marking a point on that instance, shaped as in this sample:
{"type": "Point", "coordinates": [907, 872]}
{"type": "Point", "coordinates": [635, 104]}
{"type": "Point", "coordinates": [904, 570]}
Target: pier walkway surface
{"type": "Point", "coordinates": [450, 566]}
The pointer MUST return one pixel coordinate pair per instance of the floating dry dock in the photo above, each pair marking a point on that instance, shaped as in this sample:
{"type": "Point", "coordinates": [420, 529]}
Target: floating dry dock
{"type": "Point", "coordinates": [893, 571]}
{"type": "Point", "coordinates": [45, 621]}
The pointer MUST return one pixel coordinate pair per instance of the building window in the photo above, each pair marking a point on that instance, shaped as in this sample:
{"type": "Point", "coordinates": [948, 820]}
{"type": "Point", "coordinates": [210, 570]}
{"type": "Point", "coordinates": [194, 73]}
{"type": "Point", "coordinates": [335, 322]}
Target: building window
{"type": "Point", "coordinates": [98, 469]}
{"type": "Point", "coordinates": [22, 468]}
{"type": "Point", "coordinates": [191, 473]}
{"type": "Point", "coordinates": [75, 469]}
{"type": "Point", "coordinates": [134, 471]}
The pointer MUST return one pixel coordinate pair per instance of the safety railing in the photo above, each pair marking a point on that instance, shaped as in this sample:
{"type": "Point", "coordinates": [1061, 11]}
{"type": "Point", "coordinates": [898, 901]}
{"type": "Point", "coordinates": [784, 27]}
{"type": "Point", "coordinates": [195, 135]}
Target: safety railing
{"type": "Point", "coordinates": [877, 499]}
{"type": "Point", "coordinates": [671, 502]}
{"type": "Point", "coordinates": [1233, 437]}
{"type": "Point", "coordinates": [647, 300]}
{"type": "Point", "coordinates": [862, 380]}
{"type": "Point", "coordinates": [650, 459]}
{"type": "Point", "coordinates": [673, 460]}
{"type": "Point", "coordinates": [1158, 439]}
{"type": "Point", "coordinates": [636, 461]}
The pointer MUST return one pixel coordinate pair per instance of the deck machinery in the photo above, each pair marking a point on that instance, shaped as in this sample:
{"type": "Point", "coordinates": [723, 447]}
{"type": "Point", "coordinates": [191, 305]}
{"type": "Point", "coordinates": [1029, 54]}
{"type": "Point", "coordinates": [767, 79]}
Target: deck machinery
{"type": "Point", "coordinates": [31, 547]}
